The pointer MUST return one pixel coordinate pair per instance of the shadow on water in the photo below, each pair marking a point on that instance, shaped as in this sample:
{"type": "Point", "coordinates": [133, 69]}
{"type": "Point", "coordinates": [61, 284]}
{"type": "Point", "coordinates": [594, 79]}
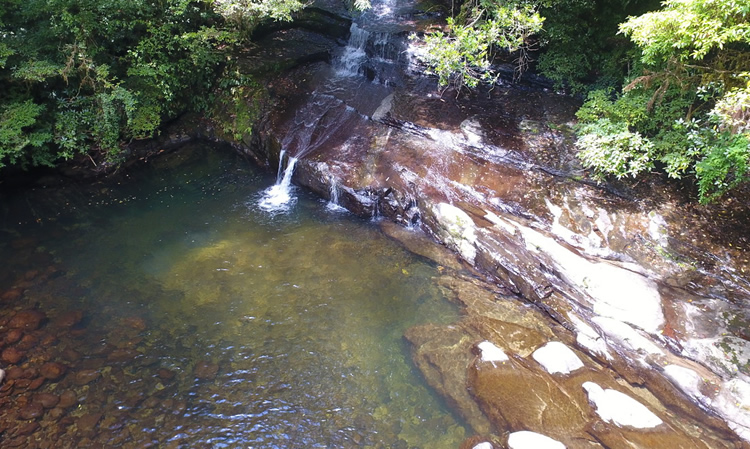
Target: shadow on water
{"type": "Point", "coordinates": [201, 320]}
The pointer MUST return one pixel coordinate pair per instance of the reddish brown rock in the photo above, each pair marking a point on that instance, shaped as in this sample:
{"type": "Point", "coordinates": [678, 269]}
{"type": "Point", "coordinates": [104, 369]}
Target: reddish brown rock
{"type": "Point", "coordinates": [67, 399]}
{"type": "Point", "coordinates": [122, 355]}
{"type": "Point", "coordinates": [135, 322]}
{"type": "Point", "coordinates": [88, 422]}
{"type": "Point", "coordinates": [78, 332]}
{"type": "Point", "coordinates": [22, 383]}
{"type": "Point", "coordinates": [206, 370]}
{"type": "Point", "coordinates": [48, 400]}
{"type": "Point", "coordinates": [13, 336]}
{"type": "Point", "coordinates": [27, 320]}
{"type": "Point", "coordinates": [165, 374]}
{"type": "Point", "coordinates": [71, 355]}
{"type": "Point", "coordinates": [30, 275]}
{"type": "Point", "coordinates": [86, 376]}
{"type": "Point", "coordinates": [12, 355]}
{"type": "Point", "coordinates": [21, 441]}
{"type": "Point", "coordinates": [36, 383]}
{"type": "Point", "coordinates": [31, 411]}
{"type": "Point", "coordinates": [11, 295]}
{"type": "Point", "coordinates": [56, 413]}
{"type": "Point", "coordinates": [53, 370]}
{"type": "Point", "coordinates": [15, 372]}
{"type": "Point", "coordinates": [69, 319]}
{"type": "Point", "coordinates": [27, 342]}
{"type": "Point", "coordinates": [28, 428]}
{"type": "Point", "coordinates": [47, 340]}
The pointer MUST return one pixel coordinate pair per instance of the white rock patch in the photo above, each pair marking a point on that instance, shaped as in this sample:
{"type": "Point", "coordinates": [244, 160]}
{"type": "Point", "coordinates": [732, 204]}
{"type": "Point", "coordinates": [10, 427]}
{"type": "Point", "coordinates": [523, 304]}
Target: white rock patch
{"type": "Point", "coordinates": [688, 380]}
{"type": "Point", "coordinates": [484, 445]}
{"type": "Point", "coordinates": [587, 337]}
{"type": "Point", "coordinates": [626, 336]}
{"type": "Point", "coordinates": [616, 292]}
{"type": "Point", "coordinates": [491, 353]}
{"type": "Point", "coordinates": [458, 229]}
{"type": "Point", "coordinates": [555, 357]}
{"type": "Point", "coordinates": [532, 440]}
{"type": "Point", "coordinates": [619, 408]}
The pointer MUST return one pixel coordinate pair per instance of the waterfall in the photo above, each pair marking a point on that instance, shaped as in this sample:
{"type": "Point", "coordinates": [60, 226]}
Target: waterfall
{"type": "Point", "coordinates": [354, 54]}
{"type": "Point", "coordinates": [363, 75]}
{"type": "Point", "coordinates": [278, 198]}
{"type": "Point", "coordinates": [333, 203]}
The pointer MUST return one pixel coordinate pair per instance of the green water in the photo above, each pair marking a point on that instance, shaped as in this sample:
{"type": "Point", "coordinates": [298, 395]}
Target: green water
{"type": "Point", "coordinates": [302, 312]}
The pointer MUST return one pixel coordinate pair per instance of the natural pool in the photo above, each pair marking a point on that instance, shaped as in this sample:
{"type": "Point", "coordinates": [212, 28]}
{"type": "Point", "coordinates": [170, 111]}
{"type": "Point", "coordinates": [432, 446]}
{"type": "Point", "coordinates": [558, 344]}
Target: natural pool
{"type": "Point", "coordinates": [186, 316]}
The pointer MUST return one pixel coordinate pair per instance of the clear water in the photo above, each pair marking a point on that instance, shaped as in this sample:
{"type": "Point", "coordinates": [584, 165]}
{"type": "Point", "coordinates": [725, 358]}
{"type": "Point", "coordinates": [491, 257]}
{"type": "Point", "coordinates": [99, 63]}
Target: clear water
{"type": "Point", "coordinates": [303, 312]}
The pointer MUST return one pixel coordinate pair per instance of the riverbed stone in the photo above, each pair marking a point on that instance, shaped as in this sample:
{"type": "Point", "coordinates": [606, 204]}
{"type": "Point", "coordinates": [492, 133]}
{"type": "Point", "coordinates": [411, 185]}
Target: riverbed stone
{"type": "Point", "coordinates": [53, 370]}
{"type": "Point", "coordinates": [13, 336]}
{"type": "Point", "coordinates": [86, 376]}
{"type": "Point", "coordinates": [12, 355]}
{"type": "Point", "coordinates": [12, 294]}
{"type": "Point", "coordinates": [620, 409]}
{"type": "Point", "coordinates": [27, 320]}
{"type": "Point", "coordinates": [69, 319]}
{"type": "Point", "coordinates": [36, 383]}
{"type": "Point", "coordinates": [28, 428]}
{"type": "Point", "coordinates": [442, 354]}
{"type": "Point", "coordinates": [206, 370]}
{"type": "Point", "coordinates": [47, 400]}
{"type": "Point", "coordinates": [88, 421]}
{"type": "Point", "coordinates": [32, 410]}
{"type": "Point", "coordinates": [68, 399]}
{"type": "Point", "coordinates": [27, 342]}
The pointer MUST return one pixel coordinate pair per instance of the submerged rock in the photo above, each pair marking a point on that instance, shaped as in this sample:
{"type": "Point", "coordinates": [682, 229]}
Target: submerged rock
{"type": "Point", "coordinates": [52, 370]}
{"type": "Point", "coordinates": [27, 320]}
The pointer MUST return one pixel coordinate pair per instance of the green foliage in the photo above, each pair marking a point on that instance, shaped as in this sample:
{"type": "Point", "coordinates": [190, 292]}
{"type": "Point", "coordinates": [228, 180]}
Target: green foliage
{"type": "Point", "coordinates": [82, 76]}
{"type": "Point", "coordinates": [245, 15]}
{"type": "Point", "coordinates": [465, 51]}
{"type": "Point", "coordinates": [19, 130]}
{"type": "Point", "coordinates": [689, 29]}
{"type": "Point", "coordinates": [689, 113]}
{"type": "Point", "coordinates": [581, 50]}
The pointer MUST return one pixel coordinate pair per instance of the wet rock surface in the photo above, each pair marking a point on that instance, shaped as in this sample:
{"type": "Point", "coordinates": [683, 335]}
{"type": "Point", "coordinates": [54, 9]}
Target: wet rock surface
{"type": "Point", "coordinates": [636, 278]}
{"type": "Point", "coordinates": [646, 288]}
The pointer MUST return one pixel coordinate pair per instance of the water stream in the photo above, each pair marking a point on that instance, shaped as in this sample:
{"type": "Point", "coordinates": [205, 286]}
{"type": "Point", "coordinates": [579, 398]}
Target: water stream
{"type": "Point", "coordinates": [206, 321]}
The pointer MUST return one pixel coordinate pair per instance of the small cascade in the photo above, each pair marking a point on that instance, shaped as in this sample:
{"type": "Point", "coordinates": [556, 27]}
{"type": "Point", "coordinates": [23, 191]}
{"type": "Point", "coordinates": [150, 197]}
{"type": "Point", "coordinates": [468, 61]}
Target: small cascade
{"type": "Point", "coordinates": [354, 54]}
{"type": "Point", "coordinates": [333, 203]}
{"type": "Point", "coordinates": [370, 54]}
{"type": "Point", "coordinates": [278, 198]}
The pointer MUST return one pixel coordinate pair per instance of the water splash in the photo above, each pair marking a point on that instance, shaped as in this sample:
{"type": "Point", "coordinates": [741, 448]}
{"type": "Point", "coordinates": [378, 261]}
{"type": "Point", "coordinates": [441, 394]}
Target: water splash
{"type": "Point", "coordinates": [354, 54]}
{"type": "Point", "coordinates": [333, 203]}
{"type": "Point", "coordinates": [279, 197]}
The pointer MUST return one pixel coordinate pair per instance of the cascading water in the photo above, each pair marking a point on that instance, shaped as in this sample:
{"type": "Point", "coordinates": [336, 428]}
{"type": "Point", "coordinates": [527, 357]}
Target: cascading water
{"type": "Point", "coordinates": [361, 77]}
{"type": "Point", "coordinates": [279, 197]}
{"type": "Point", "coordinates": [333, 203]}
